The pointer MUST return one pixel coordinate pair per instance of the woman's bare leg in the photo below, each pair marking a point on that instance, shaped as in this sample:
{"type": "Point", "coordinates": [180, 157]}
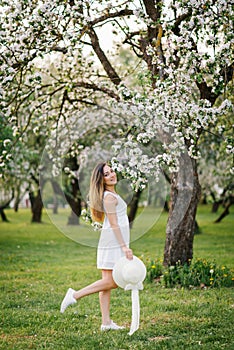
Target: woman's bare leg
{"type": "Point", "coordinates": [105, 284]}
{"type": "Point", "coordinates": [104, 298]}
{"type": "Point", "coordinates": [102, 286]}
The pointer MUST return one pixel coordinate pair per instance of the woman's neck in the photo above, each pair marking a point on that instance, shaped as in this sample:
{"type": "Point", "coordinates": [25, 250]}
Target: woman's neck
{"type": "Point", "coordinates": [110, 189]}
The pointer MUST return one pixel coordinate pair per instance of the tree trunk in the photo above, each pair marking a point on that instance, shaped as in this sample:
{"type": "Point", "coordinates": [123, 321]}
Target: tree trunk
{"type": "Point", "coordinates": [57, 192]}
{"type": "Point", "coordinates": [17, 201]}
{"type": "Point", "coordinates": [73, 219]}
{"type": "Point", "coordinates": [166, 206]}
{"type": "Point", "coordinates": [185, 194]}
{"type": "Point", "coordinates": [204, 199]}
{"type": "Point", "coordinates": [228, 204]}
{"type": "Point", "coordinates": [4, 206]}
{"type": "Point", "coordinates": [55, 204]}
{"type": "Point", "coordinates": [196, 228]}
{"type": "Point", "coordinates": [72, 192]}
{"type": "Point", "coordinates": [134, 207]}
{"type": "Point", "coordinates": [74, 201]}
{"type": "Point", "coordinates": [215, 206]}
{"type": "Point", "coordinates": [3, 215]}
{"type": "Point", "coordinates": [18, 197]}
{"type": "Point", "coordinates": [222, 199]}
{"type": "Point", "coordinates": [36, 206]}
{"type": "Point", "coordinates": [36, 201]}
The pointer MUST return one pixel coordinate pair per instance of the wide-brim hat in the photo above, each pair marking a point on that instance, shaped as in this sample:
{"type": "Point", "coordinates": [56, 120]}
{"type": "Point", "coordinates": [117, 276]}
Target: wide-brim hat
{"type": "Point", "coordinates": [129, 275]}
{"type": "Point", "coordinates": [128, 271]}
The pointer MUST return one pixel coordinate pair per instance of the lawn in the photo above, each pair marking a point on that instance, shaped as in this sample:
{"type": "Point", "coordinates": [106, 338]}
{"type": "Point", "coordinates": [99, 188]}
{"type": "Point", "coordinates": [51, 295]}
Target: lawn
{"type": "Point", "coordinates": [39, 263]}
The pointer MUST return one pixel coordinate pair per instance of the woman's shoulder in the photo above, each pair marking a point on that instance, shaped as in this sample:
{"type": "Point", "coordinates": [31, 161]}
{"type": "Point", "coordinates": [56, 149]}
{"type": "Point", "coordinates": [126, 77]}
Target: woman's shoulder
{"type": "Point", "coordinates": [110, 197]}
{"type": "Point", "coordinates": [110, 201]}
{"type": "Point", "coordinates": [109, 193]}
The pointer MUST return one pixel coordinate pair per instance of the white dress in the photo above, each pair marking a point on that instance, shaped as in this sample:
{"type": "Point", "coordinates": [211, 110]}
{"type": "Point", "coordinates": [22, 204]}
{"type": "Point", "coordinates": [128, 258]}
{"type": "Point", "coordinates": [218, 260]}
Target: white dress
{"type": "Point", "coordinates": [109, 250]}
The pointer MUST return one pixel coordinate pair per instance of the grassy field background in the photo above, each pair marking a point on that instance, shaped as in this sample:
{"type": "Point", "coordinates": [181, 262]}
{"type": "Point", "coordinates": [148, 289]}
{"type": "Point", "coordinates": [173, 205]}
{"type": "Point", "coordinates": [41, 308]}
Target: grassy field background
{"type": "Point", "coordinates": [39, 263]}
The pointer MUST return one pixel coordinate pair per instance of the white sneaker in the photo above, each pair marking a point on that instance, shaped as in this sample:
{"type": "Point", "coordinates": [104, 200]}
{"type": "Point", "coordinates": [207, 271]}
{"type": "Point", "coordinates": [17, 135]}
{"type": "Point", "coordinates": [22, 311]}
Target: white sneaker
{"type": "Point", "coordinates": [68, 300]}
{"type": "Point", "coordinates": [112, 326]}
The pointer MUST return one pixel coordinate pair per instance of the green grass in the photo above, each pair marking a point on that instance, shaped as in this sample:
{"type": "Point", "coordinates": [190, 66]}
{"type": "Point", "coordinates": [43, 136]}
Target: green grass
{"type": "Point", "coordinates": [39, 263]}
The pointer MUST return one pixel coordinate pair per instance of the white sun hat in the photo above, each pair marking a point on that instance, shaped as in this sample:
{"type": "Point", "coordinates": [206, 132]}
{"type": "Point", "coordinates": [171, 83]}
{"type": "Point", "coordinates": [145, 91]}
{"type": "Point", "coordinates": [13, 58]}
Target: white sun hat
{"type": "Point", "coordinates": [129, 275]}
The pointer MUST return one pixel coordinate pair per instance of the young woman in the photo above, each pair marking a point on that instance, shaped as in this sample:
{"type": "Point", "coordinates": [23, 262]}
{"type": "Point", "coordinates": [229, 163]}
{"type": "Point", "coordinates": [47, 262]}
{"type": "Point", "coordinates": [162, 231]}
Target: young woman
{"type": "Point", "coordinates": [108, 207]}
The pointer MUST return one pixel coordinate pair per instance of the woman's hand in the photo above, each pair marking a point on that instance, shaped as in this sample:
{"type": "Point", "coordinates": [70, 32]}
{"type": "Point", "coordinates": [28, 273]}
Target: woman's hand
{"type": "Point", "coordinates": [128, 253]}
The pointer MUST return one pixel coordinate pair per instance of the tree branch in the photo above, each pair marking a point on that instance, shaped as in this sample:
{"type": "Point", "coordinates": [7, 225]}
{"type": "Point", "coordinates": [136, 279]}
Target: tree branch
{"type": "Point", "coordinates": [96, 88]}
{"type": "Point", "coordinates": [129, 36]}
{"type": "Point", "coordinates": [59, 49]}
{"type": "Point", "coordinates": [206, 91]}
{"type": "Point", "coordinates": [179, 20]}
{"type": "Point", "coordinates": [227, 73]}
{"type": "Point", "coordinates": [152, 11]}
{"type": "Point", "coordinates": [73, 100]}
{"type": "Point", "coordinates": [7, 203]}
{"type": "Point", "coordinates": [121, 13]}
{"type": "Point", "coordinates": [102, 57]}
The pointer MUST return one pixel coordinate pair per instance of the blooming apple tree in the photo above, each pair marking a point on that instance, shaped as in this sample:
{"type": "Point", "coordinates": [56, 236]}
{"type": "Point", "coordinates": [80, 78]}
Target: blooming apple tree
{"type": "Point", "coordinates": [214, 165]}
{"type": "Point", "coordinates": [55, 65]}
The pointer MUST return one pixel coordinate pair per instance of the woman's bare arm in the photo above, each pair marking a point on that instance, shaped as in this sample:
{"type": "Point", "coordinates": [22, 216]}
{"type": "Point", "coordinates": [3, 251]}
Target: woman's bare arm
{"type": "Point", "coordinates": [110, 203]}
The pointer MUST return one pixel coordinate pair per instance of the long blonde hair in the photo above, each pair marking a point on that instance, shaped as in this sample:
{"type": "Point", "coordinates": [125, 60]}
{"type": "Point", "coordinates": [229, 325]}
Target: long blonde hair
{"type": "Point", "coordinates": [96, 192]}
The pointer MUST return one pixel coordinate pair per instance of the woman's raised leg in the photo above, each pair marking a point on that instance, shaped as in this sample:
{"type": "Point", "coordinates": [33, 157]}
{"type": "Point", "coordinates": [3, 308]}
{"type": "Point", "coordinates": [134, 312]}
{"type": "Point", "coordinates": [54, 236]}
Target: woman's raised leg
{"type": "Point", "coordinates": [105, 284]}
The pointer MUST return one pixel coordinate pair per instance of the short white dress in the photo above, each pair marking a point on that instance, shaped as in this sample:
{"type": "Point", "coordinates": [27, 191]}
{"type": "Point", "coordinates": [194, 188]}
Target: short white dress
{"type": "Point", "coordinates": [109, 250]}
